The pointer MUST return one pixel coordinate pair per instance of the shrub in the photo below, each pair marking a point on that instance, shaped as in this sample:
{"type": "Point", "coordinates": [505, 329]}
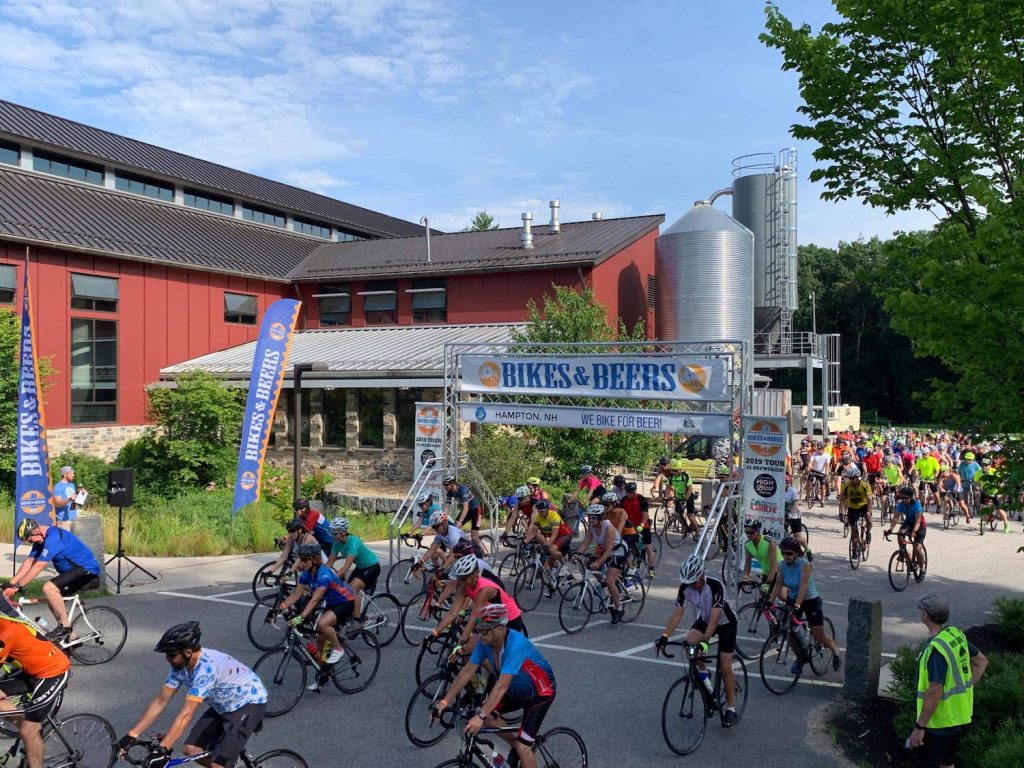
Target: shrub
{"type": "Point", "coordinates": [314, 485]}
{"type": "Point", "coordinates": [90, 472]}
{"type": "Point", "coordinates": [1010, 619]}
{"type": "Point", "coordinates": [1003, 749]}
{"type": "Point", "coordinates": [504, 458]}
{"type": "Point", "coordinates": [903, 687]}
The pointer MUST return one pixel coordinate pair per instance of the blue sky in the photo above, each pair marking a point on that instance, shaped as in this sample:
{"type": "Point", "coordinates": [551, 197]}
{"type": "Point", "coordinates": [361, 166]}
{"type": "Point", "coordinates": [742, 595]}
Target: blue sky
{"type": "Point", "coordinates": [439, 107]}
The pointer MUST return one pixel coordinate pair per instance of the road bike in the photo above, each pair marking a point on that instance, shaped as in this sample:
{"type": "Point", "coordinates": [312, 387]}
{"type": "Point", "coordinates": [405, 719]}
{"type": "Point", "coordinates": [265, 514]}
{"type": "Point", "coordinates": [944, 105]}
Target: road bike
{"type": "Point", "coordinates": [859, 547]}
{"type": "Point", "coordinates": [405, 578]}
{"type": "Point", "coordinates": [538, 579]}
{"type": "Point", "coordinates": [755, 621]}
{"type": "Point", "coordinates": [903, 564]}
{"type": "Point", "coordinates": [814, 490]}
{"type": "Point", "coordinates": [275, 758]}
{"type": "Point", "coordinates": [97, 633]}
{"type": "Point", "coordinates": [424, 611]}
{"type": "Point", "coordinates": [76, 741]}
{"type": "Point", "coordinates": [269, 578]}
{"type": "Point", "coordinates": [591, 596]}
{"type": "Point", "coordinates": [792, 646]}
{"type": "Point", "coordinates": [950, 510]}
{"type": "Point", "coordinates": [693, 699]}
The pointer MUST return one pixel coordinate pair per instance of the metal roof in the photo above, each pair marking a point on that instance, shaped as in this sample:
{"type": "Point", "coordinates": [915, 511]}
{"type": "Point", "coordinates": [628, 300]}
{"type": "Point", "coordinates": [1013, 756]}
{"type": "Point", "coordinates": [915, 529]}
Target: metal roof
{"type": "Point", "coordinates": [583, 242]}
{"type": "Point", "coordinates": [361, 351]}
{"type": "Point", "coordinates": [22, 122]}
{"type": "Point", "coordinates": [50, 210]}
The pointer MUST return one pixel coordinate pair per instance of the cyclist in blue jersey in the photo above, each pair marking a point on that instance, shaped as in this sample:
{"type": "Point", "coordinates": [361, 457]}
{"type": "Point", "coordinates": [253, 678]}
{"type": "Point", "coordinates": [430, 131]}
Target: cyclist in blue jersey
{"type": "Point", "coordinates": [469, 509]}
{"type": "Point", "coordinates": [910, 516]}
{"type": "Point", "coordinates": [315, 523]}
{"type": "Point", "coordinates": [355, 553]}
{"type": "Point", "coordinates": [524, 681]}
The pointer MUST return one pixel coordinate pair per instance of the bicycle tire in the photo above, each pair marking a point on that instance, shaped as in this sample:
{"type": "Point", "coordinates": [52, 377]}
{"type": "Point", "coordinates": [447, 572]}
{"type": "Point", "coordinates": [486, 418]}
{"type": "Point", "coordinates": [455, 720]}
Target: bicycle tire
{"type": "Point", "coordinates": [854, 553]}
{"type": "Point", "coordinates": [675, 532]}
{"type": "Point", "coordinates": [634, 606]}
{"type": "Point", "coordinates": [899, 571]}
{"type": "Point", "coordinates": [821, 656]}
{"type": "Point", "coordinates": [739, 676]}
{"type": "Point", "coordinates": [403, 582]}
{"type": "Point", "coordinates": [865, 546]}
{"type": "Point", "coordinates": [382, 616]}
{"type": "Point", "coordinates": [561, 748]}
{"type": "Point", "coordinates": [753, 626]}
{"type": "Point", "coordinates": [430, 662]}
{"type": "Point", "coordinates": [265, 580]}
{"type": "Point", "coordinates": [107, 632]}
{"type": "Point", "coordinates": [529, 587]}
{"type": "Point", "coordinates": [418, 712]}
{"type": "Point", "coordinates": [510, 565]}
{"type": "Point", "coordinates": [280, 758]}
{"type": "Point", "coordinates": [576, 608]}
{"type": "Point", "coordinates": [488, 545]}
{"type": "Point", "coordinates": [923, 571]}
{"type": "Point", "coordinates": [460, 762]}
{"type": "Point", "coordinates": [415, 624]}
{"type": "Point", "coordinates": [658, 518]}
{"type": "Point", "coordinates": [284, 676]}
{"type": "Point", "coordinates": [684, 711]}
{"type": "Point", "coordinates": [776, 663]}
{"type": "Point", "coordinates": [354, 674]}
{"type": "Point", "coordinates": [80, 741]}
{"type": "Point", "coordinates": [262, 634]}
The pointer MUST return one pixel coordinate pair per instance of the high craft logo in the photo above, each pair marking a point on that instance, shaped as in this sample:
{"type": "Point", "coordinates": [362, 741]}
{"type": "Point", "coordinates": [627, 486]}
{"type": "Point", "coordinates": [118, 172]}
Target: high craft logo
{"type": "Point", "coordinates": [489, 374]}
{"type": "Point", "coordinates": [277, 331]}
{"type": "Point", "coordinates": [32, 503]}
{"type": "Point", "coordinates": [247, 480]}
{"type": "Point", "coordinates": [428, 421]}
{"type": "Point", "coordinates": [765, 438]}
{"type": "Point", "coordinates": [693, 378]}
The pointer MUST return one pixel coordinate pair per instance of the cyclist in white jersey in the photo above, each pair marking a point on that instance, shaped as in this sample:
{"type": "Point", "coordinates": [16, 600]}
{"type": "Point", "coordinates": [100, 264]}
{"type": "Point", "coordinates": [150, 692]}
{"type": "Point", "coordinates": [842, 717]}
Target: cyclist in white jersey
{"type": "Point", "coordinates": [609, 549]}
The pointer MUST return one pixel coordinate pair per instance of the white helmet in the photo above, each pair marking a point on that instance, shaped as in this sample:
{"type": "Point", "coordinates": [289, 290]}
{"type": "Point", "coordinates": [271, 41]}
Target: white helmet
{"type": "Point", "coordinates": [851, 471]}
{"type": "Point", "coordinates": [691, 569]}
{"type": "Point", "coordinates": [437, 518]}
{"type": "Point", "coordinates": [425, 498]}
{"type": "Point", "coordinates": [339, 525]}
{"type": "Point", "coordinates": [595, 510]}
{"type": "Point", "coordinates": [609, 498]}
{"type": "Point", "coordinates": [522, 492]}
{"type": "Point", "coordinates": [464, 566]}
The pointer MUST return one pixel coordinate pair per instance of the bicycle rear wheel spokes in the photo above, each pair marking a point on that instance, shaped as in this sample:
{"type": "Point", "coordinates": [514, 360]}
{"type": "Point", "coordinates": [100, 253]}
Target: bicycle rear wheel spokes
{"type": "Point", "coordinates": [752, 629]}
{"type": "Point", "coordinates": [382, 616]}
{"type": "Point", "coordinates": [79, 741]}
{"type": "Point", "coordinates": [899, 571]}
{"type": "Point", "coordinates": [97, 635]}
{"type": "Point", "coordinates": [632, 596]}
{"type": "Point", "coordinates": [778, 657]}
{"type": "Point", "coordinates": [675, 531]}
{"type": "Point", "coordinates": [561, 748]}
{"type": "Point", "coordinates": [404, 582]}
{"type": "Point", "coordinates": [283, 673]}
{"type": "Point", "coordinates": [280, 758]}
{"type": "Point", "coordinates": [529, 587]}
{"type": "Point", "coordinates": [422, 729]}
{"type": "Point", "coordinates": [510, 566]}
{"type": "Point", "coordinates": [266, 635]}
{"type": "Point", "coordinates": [854, 553]}
{"type": "Point", "coordinates": [575, 609]}
{"type": "Point", "coordinates": [488, 545]}
{"type": "Point", "coordinates": [821, 656]}
{"type": "Point", "coordinates": [684, 716]}
{"type": "Point", "coordinates": [417, 621]}
{"type": "Point", "coordinates": [358, 667]}
{"type": "Point", "coordinates": [739, 676]}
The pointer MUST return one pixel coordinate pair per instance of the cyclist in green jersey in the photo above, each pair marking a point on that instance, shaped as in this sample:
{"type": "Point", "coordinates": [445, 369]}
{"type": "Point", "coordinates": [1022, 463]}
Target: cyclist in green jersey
{"type": "Point", "coordinates": [761, 549]}
{"type": "Point", "coordinates": [351, 550]}
{"type": "Point", "coordinates": [680, 490]}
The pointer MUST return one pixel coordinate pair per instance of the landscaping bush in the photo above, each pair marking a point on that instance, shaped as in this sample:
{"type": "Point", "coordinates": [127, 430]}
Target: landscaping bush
{"type": "Point", "coordinates": [1004, 749]}
{"type": "Point", "coordinates": [903, 687]}
{"type": "Point", "coordinates": [90, 472]}
{"type": "Point", "coordinates": [504, 458]}
{"type": "Point", "coordinates": [1010, 619]}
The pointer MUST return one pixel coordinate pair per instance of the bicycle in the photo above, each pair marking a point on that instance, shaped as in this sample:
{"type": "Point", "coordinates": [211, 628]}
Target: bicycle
{"type": "Point", "coordinates": [692, 699]}
{"type": "Point", "coordinates": [425, 606]}
{"type": "Point", "coordinates": [636, 556]}
{"type": "Point", "coordinates": [950, 511]}
{"type": "Point", "coordinates": [755, 620]}
{"type": "Point", "coordinates": [268, 577]}
{"type": "Point", "coordinates": [536, 578]}
{"type": "Point", "coordinates": [591, 596]}
{"type": "Point", "coordinates": [787, 650]}
{"type": "Point", "coordinates": [76, 741]}
{"type": "Point", "coordinates": [275, 758]}
{"type": "Point", "coordinates": [405, 579]}
{"type": "Point", "coordinates": [556, 748]}
{"type": "Point", "coordinates": [859, 547]}
{"type": "Point", "coordinates": [903, 565]}
{"type": "Point", "coordinates": [815, 490]}
{"type": "Point", "coordinates": [98, 633]}
{"type": "Point", "coordinates": [284, 669]}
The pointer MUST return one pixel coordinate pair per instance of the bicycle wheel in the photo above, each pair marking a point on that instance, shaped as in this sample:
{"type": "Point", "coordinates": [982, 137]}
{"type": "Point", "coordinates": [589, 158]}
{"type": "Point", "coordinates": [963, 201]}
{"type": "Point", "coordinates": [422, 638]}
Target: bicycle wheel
{"type": "Point", "coordinates": [417, 621]}
{"type": "Point", "coordinates": [946, 516]}
{"type": "Point", "coordinates": [422, 729]}
{"type": "Point", "coordinates": [561, 748]}
{"type": "Point", "coordinates": [359, 665]}
{"type": "Point", "coordinates": [632, 596]}
{"type": "Point", "coordinates": [806, 531]}
{"type": "Point", "coordinates": [434, 660]}
{"type": "Point", "coordinates": [899, 571]}
{"type": "Point", "coordinates": [382, 616]}
{"type": "Point", "coordinates": [80, 741]}
{"type": "Point", "coordinates": [675, 531]}
{"type": "Point", "coordinates": [575, 609]}
{"type": "Point", "coordinates": [510, 566]}
{"type": "Point", "coordinates": [99, 633]}
{"type": "Point", "coordinates": [488, 544]}
{"type": "Point", "coordinates": [656, 548]}
{"type": "Point", "coordinates": [280, 758]}
{"type": "Point", "coordinates": [266, 635]}
{"type": "Point", "coordinates": [684, 716]}
{"type": "Point", "coordinates": [739, 676]}
{"type": "Point", "coordinates": [266, 579]}
{"type": "Point", "coordinates": [730, 567]}
{"type": "Point", "coordinates": [658, 516]}
{"type": "Point", "coordinates": [854, 552]}
{"type": "Point", "coordinates": [404, 581]}
{"type": "Point", "coordinates": [778, 660]}
{"type": "Point", "coordinates": [752, 629]}
{"type": "Point", "coordinates": [529, 587]}
{"type": "Point", "coordinates": [865, 547]}
{"type": "Point", "coordinates": [821, 656]}
{"type": "Point", "coordinates": [283, 672]}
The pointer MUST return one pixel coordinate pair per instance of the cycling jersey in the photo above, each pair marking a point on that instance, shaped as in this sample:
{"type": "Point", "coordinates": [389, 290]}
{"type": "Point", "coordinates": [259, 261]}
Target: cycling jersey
{"type": "Point", "coordinates": [501, 596]}
{"type": "Point", "coordinates": [635, 507]}
{"type": "Point", "coordinates": [911, 513]}
{"type": "Point", "coordinates": [711, 596]}
{"type": "Point", "coordinates": [681, 483]}
{"type": "Point", "coordinates": [453, 536]}
{"type": "Point", "coordinates": [951, 482]}
{"type": "Point", "coordinates": [532, 675]}
{"type": "Point", "coordinates": [759, 553]}
{"type": "Point", "coordinates": [354, 547]}
{"type": "Point", "coordinates": [549, 522]}
{"type": "Point", "coordinates": [968, 470]}
{"type": "Point", "coordinates": [856, 494]}
{"type": "Point", "coordinates": [338, 592]}
{"type": "Point", "coordinates": [791, 574]}
{"type": "Point", "coordinates": [37, 655]}
{"type": "Point", "coordinates": [316, 524]}
{"type": "Point", "coordinates": [891, 473]}
{"type": "Point", "coordinates": [65, 550]}
{"type": "Point", "coordinates": [602, 531]}
{"type": "Point", "coordinates": [791, 498]}
{"type": "Point", "coordinates": [591, 483]}
{"type": "Point", "coordinates": [221, 680]}
{"type": "Point", "coordinates": [873, 462]}
{"type": "Point", "coordinates": [927, 468]}
{"type": "Point", "coordinates": [462, 494]}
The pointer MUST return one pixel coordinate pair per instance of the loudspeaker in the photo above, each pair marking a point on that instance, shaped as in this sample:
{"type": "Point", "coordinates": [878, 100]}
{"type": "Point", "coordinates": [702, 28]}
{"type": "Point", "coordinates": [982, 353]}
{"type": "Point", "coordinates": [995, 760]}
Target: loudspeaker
{"type": "Point", "coordinates": [121, 487]}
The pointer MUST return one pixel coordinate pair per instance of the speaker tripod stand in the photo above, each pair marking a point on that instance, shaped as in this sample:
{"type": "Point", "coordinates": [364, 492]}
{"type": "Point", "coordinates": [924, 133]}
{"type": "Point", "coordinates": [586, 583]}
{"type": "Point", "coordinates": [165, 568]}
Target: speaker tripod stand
{"type": "Point", "coordinates": [120, 555]}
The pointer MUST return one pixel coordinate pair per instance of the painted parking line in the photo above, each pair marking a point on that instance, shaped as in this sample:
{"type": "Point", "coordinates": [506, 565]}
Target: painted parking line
{"type": "Point", "coordinates": [208, 598]}
{"type": "Point", "coordinates": [548, 636]}
{"type": "Point", "coordinates": [236, 592]}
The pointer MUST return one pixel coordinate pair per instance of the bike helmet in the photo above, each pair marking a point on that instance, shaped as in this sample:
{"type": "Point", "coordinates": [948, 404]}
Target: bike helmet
{"type": "Point", "coordinates": [541, 504]}
{"type": "Point", "coordinates": [491, 616]}
{"type": "Point", "coordinates": [851, 471]}
{"type": "Point", "coordinates": [448, 478]}
{"type": "Point", "coordinates": [986, 461]}
{"type": "Point", "coordinates": [595, 510]}
{"type": "Point", "coordinates": [691, 569]}
{"type": "Point", "coordinates": [308, 551]}
{"type": "Point", "coordinates": [425, 498]}
{"type": "Point", "coordinates": [339, 525]}
{"type": "Point", "coordinates": [630, 487]}
{"type": "Point", "coordinates": [791, 544]}
{"type": "Point", "coordinates": [847, 458]}
{"type": "Point", "coordinates": [663, 461]}
{"type": "Point", "coordinates": [300, 504]}
{"type": "Point", "coordinates": [609, 498]}
{"type": "Point", "coordinates": [585, 469]}
{"type": "Point", "coordinates": [294, 525]}
{"type": "Point", "coordinates": [522, 492]}
{"type": "Point", "coordinates": [676, 465]}
{"type": "Point", "coordinates": [752, 522]}
{"type": "Point", "coordinates": [180, 637]}
{"type": "Point", "coordinates": [463, 547]}
{"type": "Point", "coordinates": [437, 518]}
{"type": "Point", "coordinates": [533, 481]}
{"type": "Point", "coordinates": [464, 566]}
{"type": "Point", "coordinates": [969, 455]}
{"type": "Point", "coordinates": [619, 480]}
{"type": "Point", "coordinates": [25, 528]}
{"type": "Point", "coordinates": [906, 492]}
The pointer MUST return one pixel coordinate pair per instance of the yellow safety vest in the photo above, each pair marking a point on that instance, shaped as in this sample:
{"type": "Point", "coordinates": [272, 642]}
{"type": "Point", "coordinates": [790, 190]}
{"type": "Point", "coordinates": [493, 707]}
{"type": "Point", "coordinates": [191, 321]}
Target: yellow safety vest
{"type": "Point", "coordinates": [957, 702]}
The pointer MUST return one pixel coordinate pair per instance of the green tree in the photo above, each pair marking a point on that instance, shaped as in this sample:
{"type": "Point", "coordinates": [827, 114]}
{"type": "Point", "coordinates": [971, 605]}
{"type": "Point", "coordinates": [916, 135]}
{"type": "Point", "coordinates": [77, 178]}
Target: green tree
{"type": "Point", "coordinates": [504, 458]}
{"type": "Point", "coordinates": [481, 222]}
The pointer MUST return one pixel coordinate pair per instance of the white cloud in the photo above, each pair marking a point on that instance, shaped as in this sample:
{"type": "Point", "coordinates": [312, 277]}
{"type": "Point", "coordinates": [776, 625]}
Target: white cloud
{"type": "Point", "coordinates": [315, 180]}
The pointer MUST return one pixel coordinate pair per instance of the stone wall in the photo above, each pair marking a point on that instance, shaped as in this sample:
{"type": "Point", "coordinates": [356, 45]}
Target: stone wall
{"type": "Point", "coordinates": [362, 464]}
{"type": "Point", "coordinates": [103, 442]}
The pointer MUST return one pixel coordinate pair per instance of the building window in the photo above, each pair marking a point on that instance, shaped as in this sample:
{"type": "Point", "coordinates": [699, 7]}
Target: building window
{"type": "Point", "coordinates": [429, 301]}
{"type": "Point", "coordinates": [380, 302]}
{"type": "Point", "coordinates": [139, 185]}
{"type": "Point", "coordinates": [59, 165]}
{"type": "Point", "coordinates": [8, 283]}
{"type": "Point", "coordinates": [371, 418]}
{"type": "Point", "coordinates": [289, 403]}
{"type": "Point", "coordinates": [240, 308]}
{"type": "Point", "coordinates": [263, 216]}
{"type": "Point", "coordinates": [347, 237]}
{"type": "Point", "coordinates": [405, 413]}
{"type": "Point", "coordinates": [195, 199]}
{"type": "Point", "coordinates": [9, 153]}
{"type": "Point", "coordinates": [335, 303]}
{"type": "Point", "coordinates": [96, 294]}
{"type": "Point", "coordinates": [93, 370]}
{"type": "Point", "coordinates": [335, 417]}
{"type": "Point", "coordinates": [311, 228]}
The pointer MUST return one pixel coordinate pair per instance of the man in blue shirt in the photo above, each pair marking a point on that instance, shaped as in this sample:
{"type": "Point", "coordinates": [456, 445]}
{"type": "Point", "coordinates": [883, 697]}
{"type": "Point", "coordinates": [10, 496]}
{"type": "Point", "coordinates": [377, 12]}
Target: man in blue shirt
{"type": "Point", "coordinates": [64, 493]}
{"type": "Point", "coordinates": [73, 561]}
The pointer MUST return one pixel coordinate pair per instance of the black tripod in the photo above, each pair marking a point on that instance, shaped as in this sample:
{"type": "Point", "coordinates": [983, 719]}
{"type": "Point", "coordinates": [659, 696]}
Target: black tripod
{"type": "Point", "coordinates": [120, 555]}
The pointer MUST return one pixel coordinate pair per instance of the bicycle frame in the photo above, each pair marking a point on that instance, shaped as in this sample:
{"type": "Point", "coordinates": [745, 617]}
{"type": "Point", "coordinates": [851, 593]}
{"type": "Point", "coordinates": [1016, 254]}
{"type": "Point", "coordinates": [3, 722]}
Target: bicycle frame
{"type": "Point", "coordinates": [73, 612]}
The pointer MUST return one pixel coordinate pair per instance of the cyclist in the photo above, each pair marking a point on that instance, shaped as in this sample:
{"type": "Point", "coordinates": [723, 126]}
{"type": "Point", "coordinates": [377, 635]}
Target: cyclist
{"type": "Point", "coordinates": [950, 485]}
{"type": "Point", "coordinates": [321, 583]}
{"type": "Point", "coordinates": [680, 490]}
{"type": "Point", "coordinates": [70, 557]}
{"type": "Point", "coordinates": [792, 511]}
{"type": "Point", "coordinates": [927, 469]}
{"type": "Point", "coordinates": [968, 469]}
{"type": "Point", "coordinates": [989, 485]}
{"type": "Point", "coordinates": [610, 549]}
{"type": "Point", "coordinates": [844, 475]}
{"type": "Point", "coordinates": [536, 492]}
{"type": "Point", "coordinates": [446, 536]}
{"type": "Point", "coordinates": [315, 523]}
{"type": "Point", "coordinates": [820, 462]}
{"type": "Point", "coordinates": [590, 488]}
{"type": "Point", "coordinates": [549, 530]}
{"type": "Point", "coordinates": [359, 557]}
{"type": "Point", "coordinates": [714, 617]}
{"type": "Point", "coordinates": [661, 474]}
{"type": "Point", "coordinates": [617, 515]}
{"type": "Point", "coordinates": [469, 509]}
{"type": "Point", "coordinates": [873, 466]}
{"type": "Point", "coordinates": [637, 509]}
{"type": "Point", "coordinates": [912, 523]}
{"type": "Point", "coordinates": [795, 575]}
{"type": "Point", "coordinates": [43, 674]}
{"type": "Point", "coordinates": [763, 550]}
{"type": "Point", "coordinates": [425, 507]}
{"type": "Point", "coordinates": [295, 536]}
{"type": "Point", "coordinates": [619, 486]}
{"type": "Point", "coordinates": [524, 681]}
{"type": "Point", "coordinates": [857, 495]}
{"type": "Point", "coordinates": [524, 506]}
{"type": "Point", "coordinates": [235, 694]}
{"type": "Point", "coordinates": [474, 592]}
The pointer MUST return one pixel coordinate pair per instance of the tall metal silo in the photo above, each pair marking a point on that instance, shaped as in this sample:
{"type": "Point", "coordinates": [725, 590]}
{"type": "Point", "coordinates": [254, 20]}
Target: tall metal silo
{"type": "Point", "coordinates": [704, 267]}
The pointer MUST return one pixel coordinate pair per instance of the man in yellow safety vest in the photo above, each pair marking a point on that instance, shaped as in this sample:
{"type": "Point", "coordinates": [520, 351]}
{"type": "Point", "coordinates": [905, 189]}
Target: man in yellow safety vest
{"type": "Point", "coordinates": [947, 670]}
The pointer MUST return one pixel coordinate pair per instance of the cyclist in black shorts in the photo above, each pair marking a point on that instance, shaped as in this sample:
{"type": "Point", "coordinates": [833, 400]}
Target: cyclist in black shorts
{"type": "Point", "coordinates": [469, 509]}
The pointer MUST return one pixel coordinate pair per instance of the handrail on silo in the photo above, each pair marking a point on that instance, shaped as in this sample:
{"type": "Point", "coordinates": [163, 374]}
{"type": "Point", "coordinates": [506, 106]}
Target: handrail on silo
{"type": "Point", "coordinates": [746, 165]}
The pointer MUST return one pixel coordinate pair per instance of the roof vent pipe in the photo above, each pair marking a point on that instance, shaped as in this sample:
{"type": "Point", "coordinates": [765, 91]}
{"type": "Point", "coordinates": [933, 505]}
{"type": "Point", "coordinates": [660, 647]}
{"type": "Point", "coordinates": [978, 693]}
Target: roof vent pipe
{"type": "Point", "coordinates": [596, 216]}
{"type": "Point", "coordinates": [556, 226]}
{"type": "Point", "coordinates": [426, 225]}
{"type": "Point", "coordinates": [526, 236]}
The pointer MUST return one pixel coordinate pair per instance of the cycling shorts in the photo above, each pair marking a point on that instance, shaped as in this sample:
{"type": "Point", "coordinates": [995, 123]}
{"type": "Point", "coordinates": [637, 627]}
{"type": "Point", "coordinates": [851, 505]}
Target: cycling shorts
{"type": "Point", "coordinates": [932, 484]}
{"type": "Point", "coordinates": [916, 538]}
{"type": "Point", "coordinates": [690, 504]}
{"type": "Point", "coordinates": [853, 515]}
{"type": "Point", "coordinates": [342, 612]}
{"type": "Point", "coordinates": [986, 500]}
{"type": "Point", "coordinates": [226, 735]}
{"type": "Point", "coordinates": [617, 561]}
{"type": "Point", "coordinates": [534, 710]}
{"type": "Point", "coordinates": [811, 610]}
{"type": "Point", "coordinates": [71, 581]}
{"type": "Point", "coordinates": [473, 516]}
{"type": "Point", "coordinates": [726, 634]}
{"type": "Point", "coordinates": [819, 475]}
{"type": "Point", "coordinates": [368, 576]}
{"type": "Point", "coordinates": [562, 543]}
{"type": "Point", "coordinates": [40, 694]}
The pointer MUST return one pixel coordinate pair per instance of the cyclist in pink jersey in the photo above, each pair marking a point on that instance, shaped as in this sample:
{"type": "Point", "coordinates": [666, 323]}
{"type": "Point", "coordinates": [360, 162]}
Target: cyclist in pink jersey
{"type": "Point", "coordinates": [473, 593]}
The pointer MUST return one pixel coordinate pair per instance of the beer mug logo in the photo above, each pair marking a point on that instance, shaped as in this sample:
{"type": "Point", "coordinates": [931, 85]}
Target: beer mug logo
{"type": "Point", "coordinates": [489, 374]}
{"type": "Point", "coordinates": [247, 481]}
{"type": "Point", "coordinates": [693, 378]}
{"type": "Point", "coordinates": [765, 438]}
{"type": "Point", "coordinates": [277, 331]}
{"type": "Point", "coordinates": [33, 503]}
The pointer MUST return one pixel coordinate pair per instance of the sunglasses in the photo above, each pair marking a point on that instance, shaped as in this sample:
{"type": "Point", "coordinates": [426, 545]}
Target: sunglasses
{"type": "Point", "coordinates": [484, 631]}
{"type": "Point", "coordinates": [750, 531]}
{"type": "Point", "coordinates": [789, 554]}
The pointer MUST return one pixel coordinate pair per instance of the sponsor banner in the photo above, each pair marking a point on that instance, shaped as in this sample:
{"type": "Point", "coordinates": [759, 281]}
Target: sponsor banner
{"type": "Point", "coordinates": [268, 367]}
{"type": "Point", "coordinates": [643, 377]}
{"type": "Point", "coordinates": [619, 420]}
{"type": "Point", "coordinates": [429, 436]}
{"type": "Point", "coordinates": [33, 489]}
{"type": "Point", "coordinates": [764, 472]}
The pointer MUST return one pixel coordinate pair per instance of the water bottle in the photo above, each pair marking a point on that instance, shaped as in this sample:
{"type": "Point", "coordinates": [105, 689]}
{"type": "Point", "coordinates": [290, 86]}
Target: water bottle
{"type": "Point", "coordinates": [706, 680]}
{"type": "Point", "coordinates": [498, 761]}
{"type": "Point", "coordinates": [326, 652]}
{"type": "Point", "coordinates": [313, 650]}
{"type": "Point", "coordinates": [43, 623]}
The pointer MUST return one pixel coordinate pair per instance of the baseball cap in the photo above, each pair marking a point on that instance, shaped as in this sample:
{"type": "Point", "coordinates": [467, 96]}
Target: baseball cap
{"type": "Point", "coordinates": [935, 606]}
{"type": "Point", "coordinates": [65, 469]}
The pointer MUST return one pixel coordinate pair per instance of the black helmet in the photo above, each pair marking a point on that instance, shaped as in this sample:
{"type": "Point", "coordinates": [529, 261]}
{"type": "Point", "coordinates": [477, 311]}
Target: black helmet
{"type": "Point", "coordinates": [630, 487]}
{"type": "Point", "coordinates": [663, 461]}
{"type": "Point", "coordinates": [300, 504]}
{"type": "Point", "coordinates": [619, 480]}
{"type": "Point", "coordinates": [906, 492]}
{"type": "Point", "coordinates": [309, 551]}
{"type": "Point", "coordinates": [180, 637]}
{"type": "Point", "coordinates": [294, 525]}
{"type": "Point", "coordinates": [791, 544]}
{"type": "Point", "coordinates": [541, 504]}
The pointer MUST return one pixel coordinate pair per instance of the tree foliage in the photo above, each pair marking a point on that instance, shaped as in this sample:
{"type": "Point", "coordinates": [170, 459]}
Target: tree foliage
{"type": "Point", "coordinates": [481, 222]}
{"type": "Point", "coordinates": [504, 458]}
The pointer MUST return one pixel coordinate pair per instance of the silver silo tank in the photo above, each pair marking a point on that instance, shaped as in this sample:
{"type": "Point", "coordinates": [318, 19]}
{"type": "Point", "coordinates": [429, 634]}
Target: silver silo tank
{"type": "Point", "coordinates": [750, 208]}
{"type": "Point", "coordinates": [704, 268]}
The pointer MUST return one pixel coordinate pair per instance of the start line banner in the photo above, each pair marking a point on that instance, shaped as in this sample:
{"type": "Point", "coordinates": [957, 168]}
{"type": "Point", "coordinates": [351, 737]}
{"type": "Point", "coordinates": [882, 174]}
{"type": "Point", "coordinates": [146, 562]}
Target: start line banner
{"type": "Point", "coordinates": [620, 420]}
{"type": "Point", "coordinates": [764, 473]}
{"type": "Point", "coordinates": [643, 377]}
